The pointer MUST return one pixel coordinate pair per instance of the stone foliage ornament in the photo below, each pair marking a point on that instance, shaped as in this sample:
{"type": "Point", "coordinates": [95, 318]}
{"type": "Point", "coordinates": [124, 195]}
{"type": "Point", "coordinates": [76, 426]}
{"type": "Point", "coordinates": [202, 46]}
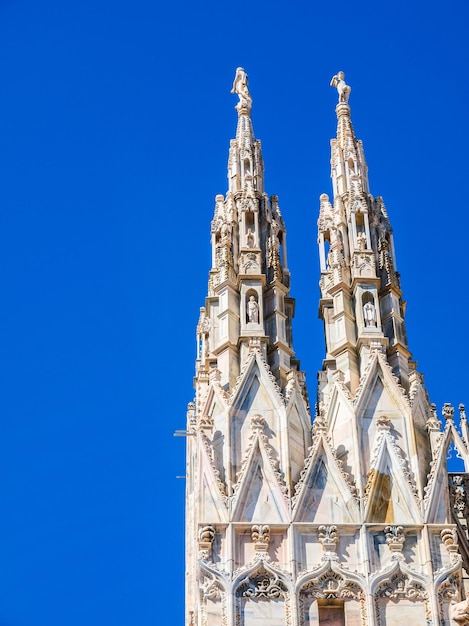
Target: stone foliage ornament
{"type": "Point", "coordinates": [260, 534]}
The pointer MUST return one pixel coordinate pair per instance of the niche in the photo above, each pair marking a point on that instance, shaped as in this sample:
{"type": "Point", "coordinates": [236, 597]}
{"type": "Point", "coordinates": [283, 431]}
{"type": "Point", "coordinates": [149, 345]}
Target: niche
{"type": "Point", "coordinates": [252, 307]}
{"type": "Point", "coordinates": [360, 222]}
{"type": "Point", "coordinates": [250, 229]}
{"type": "Point", "coordinates": [370, 318]}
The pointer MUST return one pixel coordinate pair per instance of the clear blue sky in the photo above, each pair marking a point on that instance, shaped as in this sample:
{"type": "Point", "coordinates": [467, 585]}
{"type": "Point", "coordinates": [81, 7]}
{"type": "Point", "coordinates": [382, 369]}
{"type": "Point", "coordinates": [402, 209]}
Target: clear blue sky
{"type": "Point", "coordinates": [115, 121]}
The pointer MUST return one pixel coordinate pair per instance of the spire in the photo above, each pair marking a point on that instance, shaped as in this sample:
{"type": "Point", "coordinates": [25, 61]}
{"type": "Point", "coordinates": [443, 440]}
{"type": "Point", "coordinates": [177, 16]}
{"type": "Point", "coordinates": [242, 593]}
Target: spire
{"type": "Point", "coordinates": [245, 165]}
{"type": "Point", "coordinates": [249, 300]}
{"type": "Point", "coordinates": [357, 261]}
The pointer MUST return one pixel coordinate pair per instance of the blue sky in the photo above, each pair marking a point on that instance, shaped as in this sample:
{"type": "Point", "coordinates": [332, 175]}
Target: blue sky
{"type": "Point", "coordinates": [115, 121]}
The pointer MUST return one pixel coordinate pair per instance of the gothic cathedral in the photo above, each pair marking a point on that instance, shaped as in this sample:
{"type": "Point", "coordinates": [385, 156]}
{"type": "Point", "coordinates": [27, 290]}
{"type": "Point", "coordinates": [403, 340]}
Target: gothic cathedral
{"type": "Point", "coordinates": [338, 511]}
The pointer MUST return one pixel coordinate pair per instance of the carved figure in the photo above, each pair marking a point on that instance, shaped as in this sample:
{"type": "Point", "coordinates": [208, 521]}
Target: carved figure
{"type": "Point", "coordinates": [253, 310]}
{"type": "Point", "coordinates": [361, 239]}
{"type": "Point", "coordinates": [369, 314]}
{"type": "Point", "coordinates": [342, 87]}
{"type": "Point", "coordinates": [250, 238]}
{"type": "Point", "coordinates": [225, 232]}
{"type": "Point", "coordinates": [240, 87]}
{"type": "Point", "coordinates": [459, 612]}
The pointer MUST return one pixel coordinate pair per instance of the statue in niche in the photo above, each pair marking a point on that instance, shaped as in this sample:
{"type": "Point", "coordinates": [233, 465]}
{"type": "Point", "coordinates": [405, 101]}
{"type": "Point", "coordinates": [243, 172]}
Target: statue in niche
{"type": "Point", "coordinates": [369, 314]}
{"type": "Point", "coordinates": [253, 310]}
{"type": "Point", "coordinates": [342, 88]}
{"type": "Point", "coordinates": [240, 87]}
{"type": "Point", "coordinates": [250, 238]}
{"type": "Point", "coordinates": [361, 239]}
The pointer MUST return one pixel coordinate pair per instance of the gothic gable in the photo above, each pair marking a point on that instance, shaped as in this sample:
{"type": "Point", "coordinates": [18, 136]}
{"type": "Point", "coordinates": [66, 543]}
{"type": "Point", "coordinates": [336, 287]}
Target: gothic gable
{"type": "Point", "coordinates": [323, 494]}
{"type": "Point", "coordinates": [390, 492]}
{"type": "Point", "coordinates": [259, 492]}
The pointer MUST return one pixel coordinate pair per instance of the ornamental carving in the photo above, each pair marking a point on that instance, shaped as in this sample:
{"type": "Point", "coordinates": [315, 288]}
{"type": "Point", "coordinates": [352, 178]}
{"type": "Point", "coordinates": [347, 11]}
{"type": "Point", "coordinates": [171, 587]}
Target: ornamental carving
{"type": "Point", "coordinates": [330, 586]}
{"type": "Point", "coordinates": [448, 593]}
{"type": "Point", "coordinates": [395, 538]}
{"type": "Point", "coordinates": [449, 537]}
{"type": "Point", "coordinates": [328, 538]}
{"type": "Point", "coordinates": [433, 423]}
{"type": "Point", "coordinates": [401, 586]}
{"type": "Point", "coordinates": [260, 534]}
{"type": "Point", "coordinates": [448, 411]}
{"type": "Point", "coordinates": [263, 585]}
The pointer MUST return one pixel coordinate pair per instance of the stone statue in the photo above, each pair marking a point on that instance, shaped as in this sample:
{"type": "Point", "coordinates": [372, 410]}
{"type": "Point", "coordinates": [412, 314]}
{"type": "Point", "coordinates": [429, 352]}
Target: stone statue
{"type": "Point", "coordinates": [253, 310]}
{"type": "Point", "coordinates": [459, 612]}
{"type": "Point", "coordinates": [369, 314]}
{"type": "Point", "coordinates": [250, 238]}
{"type": "Point", "coordinates": [343, 89]}
{"type": "Point", "coordinates": [240, 87]}
{"type": "Point", "coordinates": [361, 239]}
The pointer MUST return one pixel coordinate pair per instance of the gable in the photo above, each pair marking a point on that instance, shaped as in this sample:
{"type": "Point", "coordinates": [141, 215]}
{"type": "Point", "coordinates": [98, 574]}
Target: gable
{"type": "Point", "coordinates": [259, 496]}
{"type": "Point", "coordinates": [325, 496]}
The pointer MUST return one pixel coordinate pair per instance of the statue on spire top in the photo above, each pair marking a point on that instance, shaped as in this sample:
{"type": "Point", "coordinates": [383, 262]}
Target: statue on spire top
{"type": "Point", "coordinates": [342, 87]}
{"type": "Point", "coordinates": [240, 87]}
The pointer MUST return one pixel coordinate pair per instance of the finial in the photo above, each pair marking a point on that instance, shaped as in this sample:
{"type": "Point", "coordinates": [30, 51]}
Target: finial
{"type": "Point", "coordinates": [344, 90]}
{"type": "Point", "coordinates": [240, 87]}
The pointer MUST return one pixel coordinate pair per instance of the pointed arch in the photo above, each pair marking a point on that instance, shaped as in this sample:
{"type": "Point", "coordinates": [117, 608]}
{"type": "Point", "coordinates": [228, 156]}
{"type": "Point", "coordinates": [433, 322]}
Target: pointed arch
{"type": "Point", "coordinates": [213, 594]}
{"type": "Point", "coordinates": [399, 586]}
{"type": "Point", "coordinates": [332, 583]}
{"type": "Point", "coordinates": [262, 594]}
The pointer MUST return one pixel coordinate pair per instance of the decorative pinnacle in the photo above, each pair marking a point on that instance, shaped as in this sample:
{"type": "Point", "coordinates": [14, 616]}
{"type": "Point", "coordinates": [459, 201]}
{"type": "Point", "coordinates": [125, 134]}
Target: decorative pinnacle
{"type": "Point", "coordinates": [240, 87]}
{"type": "Point", "coordinates": [343, 89]}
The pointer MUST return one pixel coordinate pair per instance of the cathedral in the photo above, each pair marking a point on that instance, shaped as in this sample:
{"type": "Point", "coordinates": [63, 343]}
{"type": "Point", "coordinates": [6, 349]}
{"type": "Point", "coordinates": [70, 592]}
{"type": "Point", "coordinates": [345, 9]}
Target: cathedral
{"type": "Point", "coordinates": [320, 507]}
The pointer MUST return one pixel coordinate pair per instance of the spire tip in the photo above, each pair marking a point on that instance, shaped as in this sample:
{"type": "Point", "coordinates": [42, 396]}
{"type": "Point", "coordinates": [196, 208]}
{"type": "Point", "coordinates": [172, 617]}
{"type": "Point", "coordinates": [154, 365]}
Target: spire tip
{"type": "Point", "coordinates": [240, 87]}
{"type": "Point", "coordinates": [338, 81]}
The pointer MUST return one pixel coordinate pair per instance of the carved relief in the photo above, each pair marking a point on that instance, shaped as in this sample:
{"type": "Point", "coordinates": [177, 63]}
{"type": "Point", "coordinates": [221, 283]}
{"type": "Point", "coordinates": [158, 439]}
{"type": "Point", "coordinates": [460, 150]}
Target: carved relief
{"type": "Point", "coordinates": [260, 534]}
{"type": "Point", "coordinates": [395, 538]}
{"type": "Point", "coordinates": [448, 593]}
{"type": "Point", "coordinates": [328, 538]}
{"type": "Point", "coordinates": [262, 585]}
{"type": "Point", "coordinates": [206, 537]}
{"type": "Point", "coordinates": [433, 423]}
{"type": "Point", "coordinates": [449, 537]}
{"type": "Point", "coordinates": [249, 262]}
{"type": "Point", "coordinates": [330, 586]}
{"type": "Point", "coordinates": [398, 587]}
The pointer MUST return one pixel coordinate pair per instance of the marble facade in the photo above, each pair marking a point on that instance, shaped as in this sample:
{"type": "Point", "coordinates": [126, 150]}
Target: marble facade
{"type": "Point", "coordinates": [333, 512]}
